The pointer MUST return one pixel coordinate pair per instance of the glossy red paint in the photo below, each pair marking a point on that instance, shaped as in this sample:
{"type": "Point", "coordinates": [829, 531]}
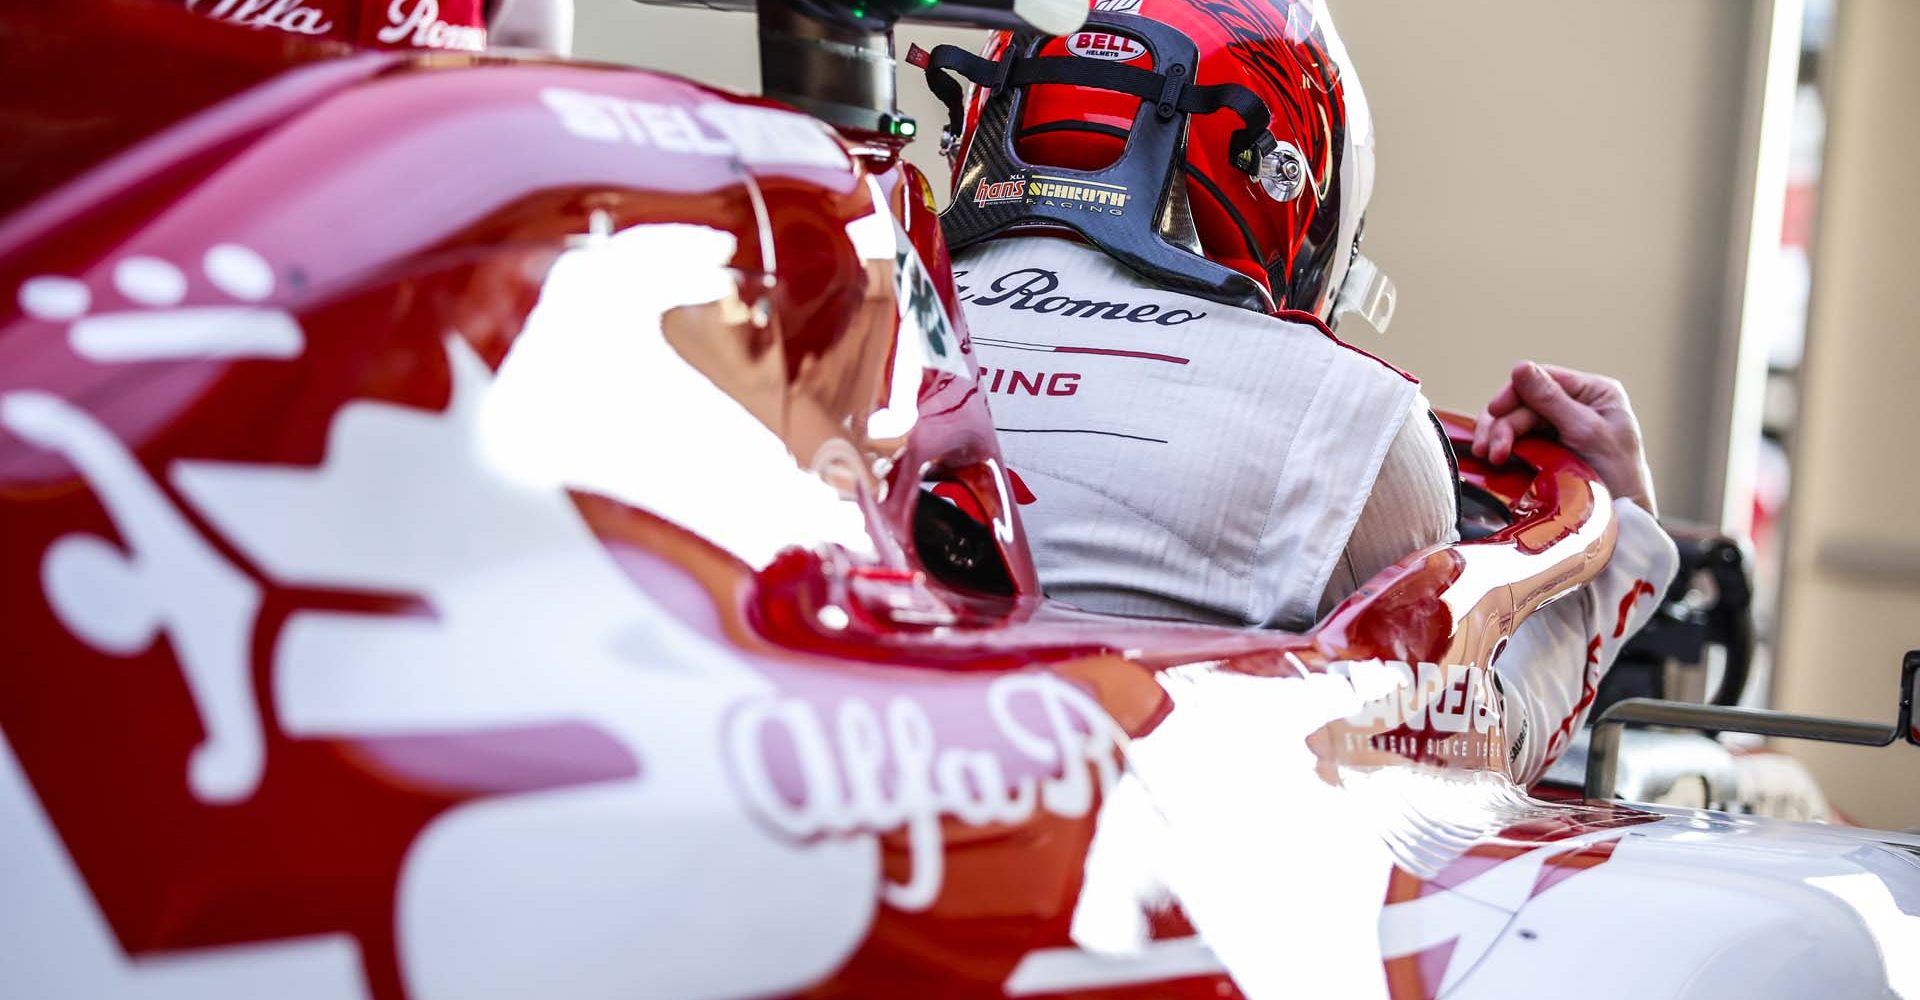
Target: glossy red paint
{"type": "Point", "coordinates": [404, 227]}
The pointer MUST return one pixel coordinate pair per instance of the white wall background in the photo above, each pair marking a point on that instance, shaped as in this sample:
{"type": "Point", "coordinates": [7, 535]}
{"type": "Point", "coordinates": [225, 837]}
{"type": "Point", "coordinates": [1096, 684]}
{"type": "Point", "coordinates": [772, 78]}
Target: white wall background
{"type": "Point", "coordinates": [1556, 183]}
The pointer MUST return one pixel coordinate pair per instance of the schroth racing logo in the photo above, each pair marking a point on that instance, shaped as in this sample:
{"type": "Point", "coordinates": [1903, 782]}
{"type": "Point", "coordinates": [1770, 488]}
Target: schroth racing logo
{"type": "Point", "coordinates": [1059, 192]}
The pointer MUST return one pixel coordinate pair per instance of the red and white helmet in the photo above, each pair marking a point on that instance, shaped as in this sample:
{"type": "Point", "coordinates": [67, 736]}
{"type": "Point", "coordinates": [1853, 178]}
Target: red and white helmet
{"type": "Point", "coordinates": [1220, 147]}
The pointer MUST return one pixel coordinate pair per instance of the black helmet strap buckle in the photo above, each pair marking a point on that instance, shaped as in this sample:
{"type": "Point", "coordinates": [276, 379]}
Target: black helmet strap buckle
{"type": "Point", "coordinates": [1116, 207]}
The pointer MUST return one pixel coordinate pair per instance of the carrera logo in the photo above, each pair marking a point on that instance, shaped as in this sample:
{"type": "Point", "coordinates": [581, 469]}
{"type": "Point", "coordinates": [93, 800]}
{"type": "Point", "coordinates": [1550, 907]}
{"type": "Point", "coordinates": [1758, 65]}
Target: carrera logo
{"type": "Point", "coordinates": [1426, 697]}
{"type": "Point", "coordinates": [1424, 711]}
{"type": "Point", "coordinates": [998, 192]}
{"type": "Point", "coordinates": [1105, 45]}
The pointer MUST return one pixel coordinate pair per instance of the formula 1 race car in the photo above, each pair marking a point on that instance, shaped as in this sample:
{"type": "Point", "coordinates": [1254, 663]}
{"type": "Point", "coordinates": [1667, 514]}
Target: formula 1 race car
{"type": "Point", "coordinates": [500, 527]}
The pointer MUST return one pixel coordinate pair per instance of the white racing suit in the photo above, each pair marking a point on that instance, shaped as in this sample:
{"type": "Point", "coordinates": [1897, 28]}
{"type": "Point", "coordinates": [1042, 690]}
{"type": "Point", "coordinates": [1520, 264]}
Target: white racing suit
{"type": "Point", "coordinates": [1196, 461]}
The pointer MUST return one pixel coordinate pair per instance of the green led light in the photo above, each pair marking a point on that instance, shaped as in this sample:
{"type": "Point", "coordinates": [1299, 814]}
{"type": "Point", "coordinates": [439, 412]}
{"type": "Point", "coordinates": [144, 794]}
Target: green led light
{"type": "Point", "coordinates": [905, 127]}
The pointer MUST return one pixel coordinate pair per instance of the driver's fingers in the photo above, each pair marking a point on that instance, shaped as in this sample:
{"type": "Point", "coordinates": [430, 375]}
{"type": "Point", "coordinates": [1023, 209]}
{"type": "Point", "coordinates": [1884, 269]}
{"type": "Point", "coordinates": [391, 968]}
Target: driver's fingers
{"type": "Point", "coordinates": [1583, 386]}
{"type": "Point", "coordinates": [1484, 424]}
{"type": "Point", "coordinates": [1504, 402]}
{"type": "Point", "coordinates": [1482, 427]}
{"type": "Point", "coordinates": [1505, 430]}
{"type": "Point", "coordinates": [1546, 396]}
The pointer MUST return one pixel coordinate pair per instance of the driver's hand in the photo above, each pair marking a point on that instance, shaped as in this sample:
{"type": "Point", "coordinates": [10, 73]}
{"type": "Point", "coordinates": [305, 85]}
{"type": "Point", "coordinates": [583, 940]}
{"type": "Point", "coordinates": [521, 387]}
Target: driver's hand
{"type": "Point", "coordinates": [1590, 413]}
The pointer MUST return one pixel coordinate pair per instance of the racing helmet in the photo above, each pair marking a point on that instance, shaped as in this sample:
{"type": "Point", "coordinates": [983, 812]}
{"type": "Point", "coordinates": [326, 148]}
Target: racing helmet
{"type": "Point", "coordinates": [1221, 148]}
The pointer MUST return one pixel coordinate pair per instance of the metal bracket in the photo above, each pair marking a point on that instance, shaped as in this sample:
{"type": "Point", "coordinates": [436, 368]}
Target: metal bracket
{"type": "Point", "coordinates": [1604, 750]}
{"type": "Point", "coordinates": [1909, 670]}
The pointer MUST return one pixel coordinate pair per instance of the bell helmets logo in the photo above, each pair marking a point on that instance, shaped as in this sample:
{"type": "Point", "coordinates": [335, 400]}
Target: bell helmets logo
{"type": "Point", "coordinates": [1106, 46]}
{"type": "Point", "coordinates": [1000, 192]}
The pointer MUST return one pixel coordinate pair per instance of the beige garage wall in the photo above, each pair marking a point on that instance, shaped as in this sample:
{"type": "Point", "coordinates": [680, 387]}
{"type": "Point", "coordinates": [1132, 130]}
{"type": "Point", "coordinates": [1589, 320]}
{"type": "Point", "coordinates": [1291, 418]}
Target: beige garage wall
{"type": "Point", "coordinates": [1853, 565]}
{"type": "Point", "coordinates": [1556, 182]}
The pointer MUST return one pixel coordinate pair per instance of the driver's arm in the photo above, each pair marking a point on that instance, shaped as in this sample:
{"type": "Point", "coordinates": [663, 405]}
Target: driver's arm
{"type": "Point", "coordinates": [1546, 696]}
{"type": "Point", "coordinates": [1545, 702]}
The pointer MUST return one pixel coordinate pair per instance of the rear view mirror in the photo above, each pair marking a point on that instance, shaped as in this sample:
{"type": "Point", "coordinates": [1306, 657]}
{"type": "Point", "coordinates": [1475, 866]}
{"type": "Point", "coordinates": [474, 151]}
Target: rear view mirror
{"type": "Point", "coordinates": [1603, 750]}
{"type": "Point", "coordinates": [1909, 668]}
